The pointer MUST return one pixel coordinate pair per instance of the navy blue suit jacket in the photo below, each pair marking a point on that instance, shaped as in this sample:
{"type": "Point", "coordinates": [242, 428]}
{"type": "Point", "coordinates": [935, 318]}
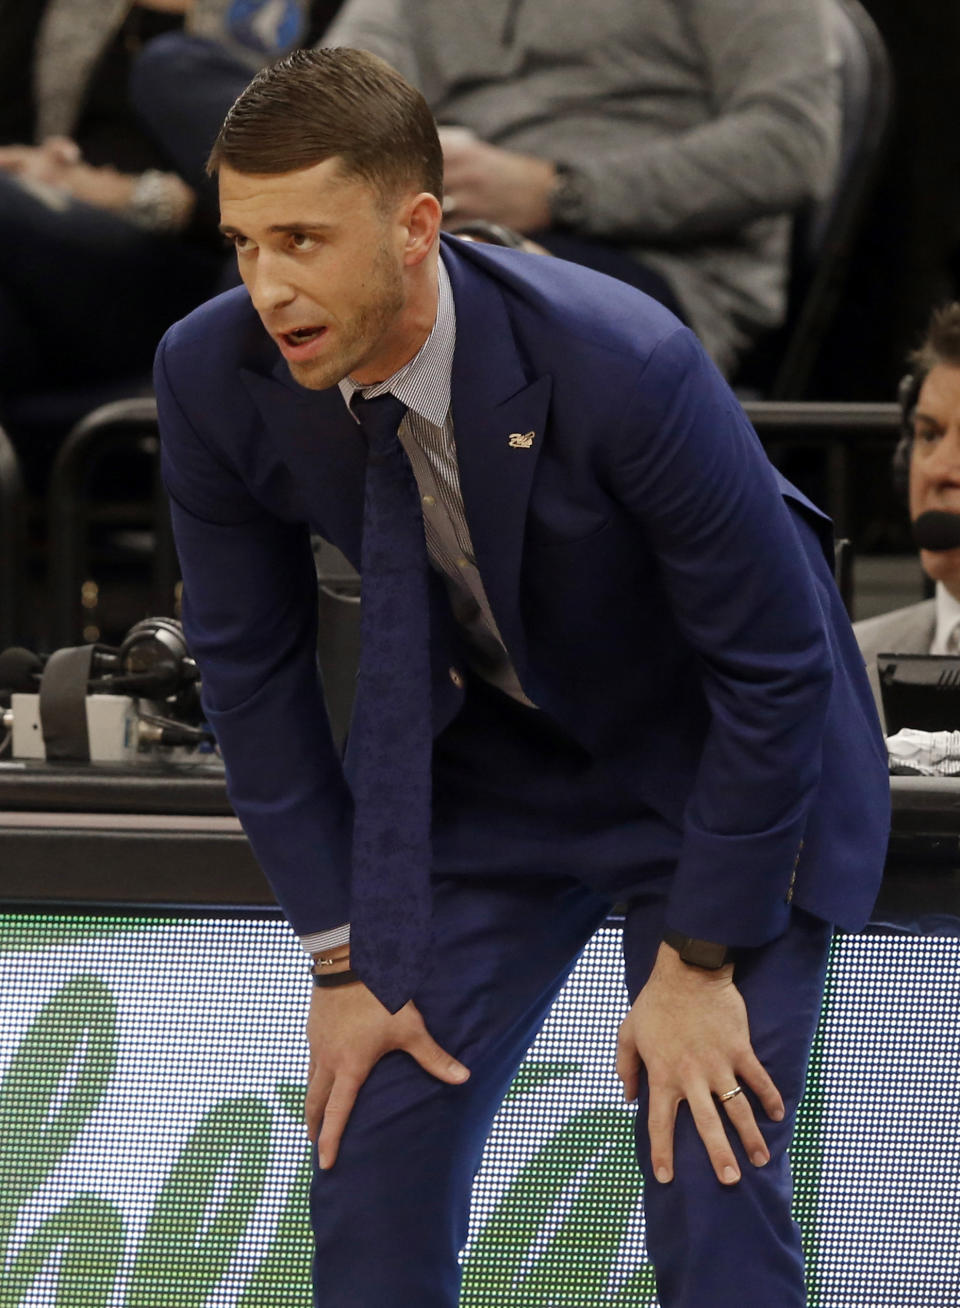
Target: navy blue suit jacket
{"type": "Point", "coordinates": [663, 593]}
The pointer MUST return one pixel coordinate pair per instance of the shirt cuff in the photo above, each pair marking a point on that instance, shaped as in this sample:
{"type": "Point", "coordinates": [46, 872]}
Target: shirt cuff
{"type": "Point", "coordinates": [321, 940]}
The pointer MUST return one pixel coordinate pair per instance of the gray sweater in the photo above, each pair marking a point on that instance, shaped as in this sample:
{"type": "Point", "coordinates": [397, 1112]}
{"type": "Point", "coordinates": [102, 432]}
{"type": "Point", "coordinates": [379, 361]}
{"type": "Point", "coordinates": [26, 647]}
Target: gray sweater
{"type": "Point", "coordinates": [699, 124]}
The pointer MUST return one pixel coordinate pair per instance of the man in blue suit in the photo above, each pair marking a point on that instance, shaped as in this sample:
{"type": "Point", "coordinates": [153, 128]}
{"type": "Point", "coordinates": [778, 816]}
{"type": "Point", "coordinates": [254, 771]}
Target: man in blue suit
{"type": "Point", "coordinates": [642, 687]}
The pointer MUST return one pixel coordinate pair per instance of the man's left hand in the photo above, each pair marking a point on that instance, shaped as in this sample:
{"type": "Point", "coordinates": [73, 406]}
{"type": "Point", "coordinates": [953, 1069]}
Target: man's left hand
{"type": "Point", "coordinates": [483, 181]}
{"type": "Point", "coordinates": [689, 1027]}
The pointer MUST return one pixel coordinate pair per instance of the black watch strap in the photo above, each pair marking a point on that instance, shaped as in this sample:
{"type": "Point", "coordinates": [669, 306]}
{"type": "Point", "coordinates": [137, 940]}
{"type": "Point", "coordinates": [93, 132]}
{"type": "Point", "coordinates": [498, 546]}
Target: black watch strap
{"type": "Point", "coordinates": [568, 200]}
{"type": "Point", "coordinates": [698, 953]}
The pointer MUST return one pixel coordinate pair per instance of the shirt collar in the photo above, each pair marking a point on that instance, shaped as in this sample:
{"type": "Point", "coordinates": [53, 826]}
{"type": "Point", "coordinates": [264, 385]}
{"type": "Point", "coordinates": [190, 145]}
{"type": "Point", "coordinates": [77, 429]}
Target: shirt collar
{"type": "Point", "coordinates": [948, 615]}
{"type": "Point", "coordinates": [423, 384]}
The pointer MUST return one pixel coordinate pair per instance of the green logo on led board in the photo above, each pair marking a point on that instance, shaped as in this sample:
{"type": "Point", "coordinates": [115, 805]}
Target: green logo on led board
{"type": "Point", "coordinates": [196, 1224]}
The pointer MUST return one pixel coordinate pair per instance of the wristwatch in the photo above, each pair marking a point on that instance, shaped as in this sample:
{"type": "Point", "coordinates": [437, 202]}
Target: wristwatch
{"type": "Point", "coordinates": [698, 953]}
{"type": "Point", "coordinates": [568, 199]}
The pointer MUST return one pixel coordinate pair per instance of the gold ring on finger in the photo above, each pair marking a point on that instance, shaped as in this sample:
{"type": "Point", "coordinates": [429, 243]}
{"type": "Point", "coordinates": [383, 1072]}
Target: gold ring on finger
{"type": "Point", "coordinates": [731, 1094]}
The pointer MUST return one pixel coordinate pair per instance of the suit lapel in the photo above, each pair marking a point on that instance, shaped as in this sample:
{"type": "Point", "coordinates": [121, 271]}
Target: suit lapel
{"type": "Point", "coordinates": [492, 399]}
{"type": "Point", "coordinates": [923, 634]}
{"type": "Point", "coordinates": [911, 632]}
{"type": "Point", "coordinates": [499, 419]}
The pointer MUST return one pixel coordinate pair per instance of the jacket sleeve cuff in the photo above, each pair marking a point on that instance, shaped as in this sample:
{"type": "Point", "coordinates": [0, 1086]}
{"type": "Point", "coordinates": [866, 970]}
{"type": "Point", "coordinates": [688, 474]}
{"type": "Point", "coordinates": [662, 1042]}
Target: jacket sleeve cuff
{"type": "Point", "coordinates": [736, 890]}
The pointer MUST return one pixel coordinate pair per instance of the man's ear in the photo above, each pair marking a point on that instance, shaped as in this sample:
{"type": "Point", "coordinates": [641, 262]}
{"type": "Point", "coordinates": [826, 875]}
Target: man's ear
{"type": "Point", "coordinates": [423, 218]}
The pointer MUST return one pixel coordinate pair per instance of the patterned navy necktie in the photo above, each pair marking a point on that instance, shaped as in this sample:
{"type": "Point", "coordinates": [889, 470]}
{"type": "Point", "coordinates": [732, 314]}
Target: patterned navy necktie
{"type": "Point", "coordinates": [391, 737]}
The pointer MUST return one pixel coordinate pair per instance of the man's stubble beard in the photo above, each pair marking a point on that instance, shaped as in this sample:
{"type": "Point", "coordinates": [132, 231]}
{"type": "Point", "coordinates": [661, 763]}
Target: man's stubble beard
{"type": "Point", "coordinates": [360, 334]}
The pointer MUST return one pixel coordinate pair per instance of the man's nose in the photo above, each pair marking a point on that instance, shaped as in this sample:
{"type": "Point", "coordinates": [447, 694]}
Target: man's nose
{"type": "Point", "coordinates": [269, 286]}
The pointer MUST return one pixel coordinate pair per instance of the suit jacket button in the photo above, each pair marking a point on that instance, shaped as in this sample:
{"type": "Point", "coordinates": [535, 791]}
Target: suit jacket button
{"type": "Point", "coordinates": [456, 676]}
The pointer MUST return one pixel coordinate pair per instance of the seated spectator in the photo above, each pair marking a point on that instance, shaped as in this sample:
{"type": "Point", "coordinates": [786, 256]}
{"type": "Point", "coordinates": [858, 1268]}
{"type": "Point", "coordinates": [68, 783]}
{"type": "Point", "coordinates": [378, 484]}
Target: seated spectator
{"type": "Point", "coordinates": [927, 466]}
{"type": "Point", "coordinates": [100, 245]}
{"type": "Point", "coordinates": [666, 143]}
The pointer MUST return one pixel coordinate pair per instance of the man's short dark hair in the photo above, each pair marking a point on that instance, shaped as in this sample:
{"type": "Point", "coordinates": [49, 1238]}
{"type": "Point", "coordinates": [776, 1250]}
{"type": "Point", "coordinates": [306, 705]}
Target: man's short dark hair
{"type": "Point", "coordinates": [941, 343]}
{"type": "Point", "coordinates": [325, 103]}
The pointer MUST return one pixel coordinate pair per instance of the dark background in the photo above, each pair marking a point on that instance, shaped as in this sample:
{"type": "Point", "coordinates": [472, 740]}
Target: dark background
{"type": "Point", "coordinates": [906, 257]}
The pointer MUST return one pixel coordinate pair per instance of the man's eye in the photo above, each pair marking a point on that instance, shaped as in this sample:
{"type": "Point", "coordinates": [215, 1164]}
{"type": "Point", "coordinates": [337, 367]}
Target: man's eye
{"type": "Point", "coordinates": [926, 435]}
{"type": "Point", "coordinates": [301, 241]}
{"type": "Point", "coordinates": [241, 243]}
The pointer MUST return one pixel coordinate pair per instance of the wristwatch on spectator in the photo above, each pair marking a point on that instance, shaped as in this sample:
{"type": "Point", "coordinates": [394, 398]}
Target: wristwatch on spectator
{"type": "Point", "coordinates": [159, 203]}
{"type": "Point", "coordinates": [698, 953]}
{"type": "Point", "coordinates": [568, 199]}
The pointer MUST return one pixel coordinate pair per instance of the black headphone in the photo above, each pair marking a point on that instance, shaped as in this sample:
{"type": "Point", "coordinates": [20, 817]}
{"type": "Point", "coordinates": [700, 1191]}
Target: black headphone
{"type": "Point", "coordinates": [153, 662]}
{"type": "Point", "coordinates": [908, 393]}
{"type": "Point", "coordinates": [156, 647]}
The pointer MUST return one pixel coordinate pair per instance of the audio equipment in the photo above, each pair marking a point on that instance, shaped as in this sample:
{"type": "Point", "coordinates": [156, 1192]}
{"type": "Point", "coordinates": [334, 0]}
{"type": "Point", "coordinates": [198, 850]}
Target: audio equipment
{"type": "Point", "coordinates": [92, 703]}
{"type": "Point", "coordinates": [908, 392]}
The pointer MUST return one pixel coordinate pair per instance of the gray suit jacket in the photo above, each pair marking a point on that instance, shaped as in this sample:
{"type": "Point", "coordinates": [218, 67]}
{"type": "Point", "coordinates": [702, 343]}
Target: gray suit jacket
{"type": "Point", "coordinates": [904, 631]}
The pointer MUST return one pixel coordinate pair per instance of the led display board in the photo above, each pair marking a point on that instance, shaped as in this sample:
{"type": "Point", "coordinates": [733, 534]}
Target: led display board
{"type": "Point", "coordinates": [152, 1153]}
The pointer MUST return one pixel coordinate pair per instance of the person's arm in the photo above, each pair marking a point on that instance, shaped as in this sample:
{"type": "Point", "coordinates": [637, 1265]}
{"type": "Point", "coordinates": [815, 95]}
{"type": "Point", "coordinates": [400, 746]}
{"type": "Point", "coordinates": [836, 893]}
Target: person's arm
{"type": "Point", "coordinates": [249, 613]}
{"type": "Point", "coordinates": [771, 146]}
{"type": "Point", "coordinates": [380, 27]}
{"type": "Point", "coordinates": [156, 201]}
{"type": "Point", "coordinates": [502, 186]}
{"type": "Point", "coordinates": [686, 463]}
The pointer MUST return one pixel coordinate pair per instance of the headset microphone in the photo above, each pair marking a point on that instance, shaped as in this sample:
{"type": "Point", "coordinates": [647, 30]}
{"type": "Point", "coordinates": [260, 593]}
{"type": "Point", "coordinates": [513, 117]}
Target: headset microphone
{"type": "Point", "coordinates": [937, 530]}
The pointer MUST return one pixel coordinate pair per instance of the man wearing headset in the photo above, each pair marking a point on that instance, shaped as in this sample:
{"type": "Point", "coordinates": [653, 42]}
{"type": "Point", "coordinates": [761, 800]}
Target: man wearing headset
{"type": "Point", "coordinates": [927, 471]}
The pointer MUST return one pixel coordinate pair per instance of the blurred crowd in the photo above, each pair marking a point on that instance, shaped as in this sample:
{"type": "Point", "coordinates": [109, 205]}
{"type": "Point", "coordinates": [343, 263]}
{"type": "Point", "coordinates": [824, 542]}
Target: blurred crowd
{"type": "Point", "coordinates": [667, 144]}
{"type": "Point", "coordinates": [680, 145]}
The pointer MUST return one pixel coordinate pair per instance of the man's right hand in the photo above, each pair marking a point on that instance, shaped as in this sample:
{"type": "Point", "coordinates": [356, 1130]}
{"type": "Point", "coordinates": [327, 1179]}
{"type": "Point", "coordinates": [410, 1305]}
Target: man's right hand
{"type": "Point", "coordinates": [349, 1031]}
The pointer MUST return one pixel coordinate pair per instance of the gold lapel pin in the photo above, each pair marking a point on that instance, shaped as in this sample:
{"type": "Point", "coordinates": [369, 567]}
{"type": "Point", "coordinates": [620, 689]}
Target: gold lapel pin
{"type": "Point", "coordinates": [521, 440]}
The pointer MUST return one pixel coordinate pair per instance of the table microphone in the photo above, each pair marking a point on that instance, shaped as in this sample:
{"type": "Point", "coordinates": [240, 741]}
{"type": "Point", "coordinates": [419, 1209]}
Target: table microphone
{"type": "Point", "coordinates": [937, 530]}
{"type": "Point", "coordinates": [20, 670]}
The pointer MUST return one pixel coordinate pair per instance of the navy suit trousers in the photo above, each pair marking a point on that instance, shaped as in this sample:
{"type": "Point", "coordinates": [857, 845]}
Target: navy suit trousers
{"type": "Point", "coordinates": [519, 808]}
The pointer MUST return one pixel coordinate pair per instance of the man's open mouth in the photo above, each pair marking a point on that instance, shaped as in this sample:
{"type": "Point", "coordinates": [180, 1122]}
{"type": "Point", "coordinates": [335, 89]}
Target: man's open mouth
{"type": "Point", "coordinates": [301, 335]}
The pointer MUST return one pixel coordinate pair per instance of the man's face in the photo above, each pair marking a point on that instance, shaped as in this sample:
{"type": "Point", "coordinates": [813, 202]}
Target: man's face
{"type": "Point", "coordinates": [935, 464]}
{"type": "Point", "coordinates": [322, 259]}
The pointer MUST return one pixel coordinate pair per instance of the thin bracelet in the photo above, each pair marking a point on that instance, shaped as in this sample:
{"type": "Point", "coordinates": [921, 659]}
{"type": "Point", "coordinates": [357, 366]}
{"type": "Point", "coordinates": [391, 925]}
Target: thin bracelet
{"type": "Point", "coordinates": [345, 978]}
